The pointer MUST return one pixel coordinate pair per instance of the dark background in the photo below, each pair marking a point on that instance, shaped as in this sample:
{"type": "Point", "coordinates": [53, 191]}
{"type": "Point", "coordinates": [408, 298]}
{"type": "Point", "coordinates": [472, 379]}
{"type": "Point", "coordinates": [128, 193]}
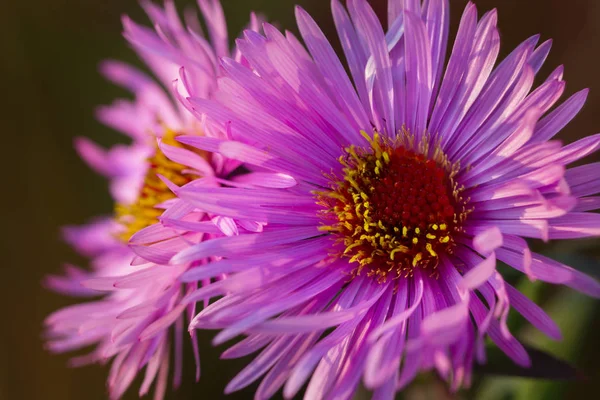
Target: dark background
{"type": "Point", "coordinates": [50, 86]}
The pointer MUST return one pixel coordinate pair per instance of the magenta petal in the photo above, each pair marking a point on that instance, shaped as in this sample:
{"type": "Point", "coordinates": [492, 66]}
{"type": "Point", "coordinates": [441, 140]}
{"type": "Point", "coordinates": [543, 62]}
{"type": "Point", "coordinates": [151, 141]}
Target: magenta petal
{"type": "Point", "coordinates": [488, 240]}
{"type": "Point", "coordinates": [480, 273]}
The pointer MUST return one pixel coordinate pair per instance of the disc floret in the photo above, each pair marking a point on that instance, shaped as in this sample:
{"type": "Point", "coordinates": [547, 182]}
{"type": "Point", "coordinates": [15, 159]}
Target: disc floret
{"type": "Point", "coordinates": [395, 207]}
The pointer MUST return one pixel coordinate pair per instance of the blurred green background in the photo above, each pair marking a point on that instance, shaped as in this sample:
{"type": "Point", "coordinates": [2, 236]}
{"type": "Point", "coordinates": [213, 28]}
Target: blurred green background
{"type": "Point", "coordinates": [50, 86]}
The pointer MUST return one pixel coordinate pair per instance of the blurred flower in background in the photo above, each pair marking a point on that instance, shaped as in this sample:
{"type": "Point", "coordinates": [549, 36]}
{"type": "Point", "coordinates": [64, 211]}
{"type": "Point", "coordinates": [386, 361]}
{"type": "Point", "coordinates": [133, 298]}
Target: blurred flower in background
{"type": "Point", "coordinates": [132, 322]}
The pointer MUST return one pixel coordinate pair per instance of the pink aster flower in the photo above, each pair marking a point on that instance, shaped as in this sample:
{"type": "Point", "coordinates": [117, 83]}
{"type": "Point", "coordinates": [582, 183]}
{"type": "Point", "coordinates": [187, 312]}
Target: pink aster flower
{"type": "Point", "coordinates": [413, 178]}
{"type": "Point", "coordinates": [142, 297]}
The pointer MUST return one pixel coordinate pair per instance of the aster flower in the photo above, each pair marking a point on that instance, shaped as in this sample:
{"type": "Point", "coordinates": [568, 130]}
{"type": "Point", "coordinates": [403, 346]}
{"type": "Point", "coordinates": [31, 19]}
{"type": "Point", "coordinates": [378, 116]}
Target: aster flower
{"type": "Point", "coordinates": [142, 298]}
{"type": "Point", "coordinates": [413, 179]}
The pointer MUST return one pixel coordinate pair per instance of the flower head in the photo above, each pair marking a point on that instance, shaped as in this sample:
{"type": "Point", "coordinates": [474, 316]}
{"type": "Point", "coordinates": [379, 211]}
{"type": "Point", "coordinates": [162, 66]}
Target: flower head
{"type": "Point", "coordinates": [142, 297]}
{"type": "Point", "coordinates": [412, 180]}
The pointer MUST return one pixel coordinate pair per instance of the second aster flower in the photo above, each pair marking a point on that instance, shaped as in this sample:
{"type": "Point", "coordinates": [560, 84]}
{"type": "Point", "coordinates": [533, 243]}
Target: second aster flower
{"type": "Point", "coordinates": [139, 321]}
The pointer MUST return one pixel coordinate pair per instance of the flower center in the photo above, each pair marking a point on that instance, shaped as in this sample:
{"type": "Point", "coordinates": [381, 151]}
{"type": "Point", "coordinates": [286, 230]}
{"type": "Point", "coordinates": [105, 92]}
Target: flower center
{"type": "Point", "coordinates": [397, 206]}
{"type": "Point", "coordinates": [145, 212]}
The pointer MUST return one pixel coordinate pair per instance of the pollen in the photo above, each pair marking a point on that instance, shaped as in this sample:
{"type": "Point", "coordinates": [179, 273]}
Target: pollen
{"type": "Point", "coordinates": [395, 206]}
{"type": "Point", "coordinates": [146, 211]}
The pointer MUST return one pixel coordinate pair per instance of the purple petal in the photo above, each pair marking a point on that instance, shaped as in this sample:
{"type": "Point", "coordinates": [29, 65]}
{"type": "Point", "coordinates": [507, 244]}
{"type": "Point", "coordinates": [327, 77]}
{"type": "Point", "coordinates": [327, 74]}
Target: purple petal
{"type": "Point", "coordinates": [533, 313]}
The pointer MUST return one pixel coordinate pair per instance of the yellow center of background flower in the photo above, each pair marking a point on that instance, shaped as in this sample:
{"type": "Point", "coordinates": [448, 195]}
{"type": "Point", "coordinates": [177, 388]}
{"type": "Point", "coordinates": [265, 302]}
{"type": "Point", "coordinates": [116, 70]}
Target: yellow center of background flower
{"type": "Point", "coordinates": [144, 211]}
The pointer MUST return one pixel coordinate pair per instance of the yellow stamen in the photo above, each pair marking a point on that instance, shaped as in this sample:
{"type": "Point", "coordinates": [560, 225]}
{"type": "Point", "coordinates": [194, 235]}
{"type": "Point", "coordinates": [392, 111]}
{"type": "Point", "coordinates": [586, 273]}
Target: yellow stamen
{"type": "Point", "coordinates": [416, 259]}
{"type": "Point", "coordinates": [144, 212]}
